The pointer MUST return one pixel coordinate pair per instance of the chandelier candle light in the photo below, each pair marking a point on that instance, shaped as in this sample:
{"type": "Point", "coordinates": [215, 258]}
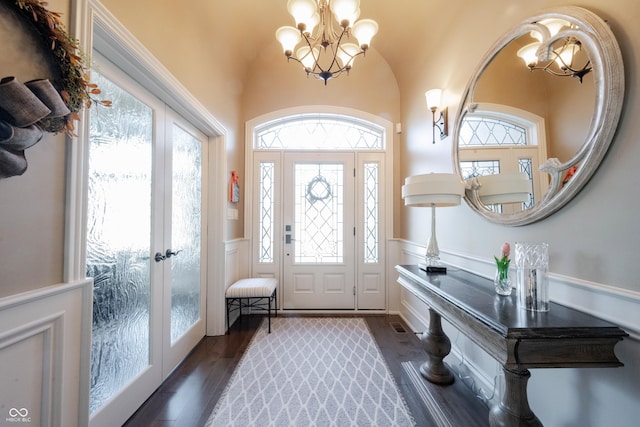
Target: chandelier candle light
{"type": "Point", "coordinates": [325, 28]}
{"type": "Point", "coordinates": [555, 50]}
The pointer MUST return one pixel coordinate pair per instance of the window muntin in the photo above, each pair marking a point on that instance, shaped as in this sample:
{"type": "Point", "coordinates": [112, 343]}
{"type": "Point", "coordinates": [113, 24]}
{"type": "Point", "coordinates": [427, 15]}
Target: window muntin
{"type": "Point", "coordinates": [484, 131]}
{"type": "Point", "coordinates": [319, 132]}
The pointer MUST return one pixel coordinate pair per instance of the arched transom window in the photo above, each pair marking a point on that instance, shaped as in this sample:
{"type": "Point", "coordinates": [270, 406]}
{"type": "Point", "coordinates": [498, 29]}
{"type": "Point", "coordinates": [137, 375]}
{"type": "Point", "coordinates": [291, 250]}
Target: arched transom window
{"type": "Point", "coordinates": [319, 132]}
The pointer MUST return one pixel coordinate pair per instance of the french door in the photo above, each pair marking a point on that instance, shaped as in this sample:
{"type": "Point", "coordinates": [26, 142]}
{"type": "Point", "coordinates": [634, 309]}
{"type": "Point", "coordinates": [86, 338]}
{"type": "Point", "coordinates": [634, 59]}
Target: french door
{"type": "Point", "coordinates": [318, 226]}
{"type": "Point", "coordinates": [144, 245]}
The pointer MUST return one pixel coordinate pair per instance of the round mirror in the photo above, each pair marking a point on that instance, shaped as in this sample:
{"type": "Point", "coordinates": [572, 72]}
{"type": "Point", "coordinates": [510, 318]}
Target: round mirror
{"type": "Point", "coordinates": [538, 115]}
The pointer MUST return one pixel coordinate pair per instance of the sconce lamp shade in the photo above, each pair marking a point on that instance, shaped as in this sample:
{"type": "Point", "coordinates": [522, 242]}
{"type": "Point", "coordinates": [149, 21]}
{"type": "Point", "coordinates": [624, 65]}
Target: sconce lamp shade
{"type": "Point", "coordinates": [433, 98]}
{"type": "Point", "coordinates": [504, 188]}
{"type": "Point", "coordinates": [433, 189]}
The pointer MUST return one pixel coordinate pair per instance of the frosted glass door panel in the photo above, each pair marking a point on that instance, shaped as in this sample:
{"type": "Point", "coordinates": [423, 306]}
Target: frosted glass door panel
{"type": "Point", "coordinates": [118, 240]}
{"type": "Point", "coordinates": [185, 231]}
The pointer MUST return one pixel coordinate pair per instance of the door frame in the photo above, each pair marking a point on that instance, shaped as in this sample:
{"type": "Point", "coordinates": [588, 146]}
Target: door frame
{"type": "Point", "coordinates": [164, 355]}
{"type": "Point", "coordinates": [95, 26]}
{"type": "Point", "coordinates": [252, 156]}
{"type": "Point", "coordinates": [316, 272]}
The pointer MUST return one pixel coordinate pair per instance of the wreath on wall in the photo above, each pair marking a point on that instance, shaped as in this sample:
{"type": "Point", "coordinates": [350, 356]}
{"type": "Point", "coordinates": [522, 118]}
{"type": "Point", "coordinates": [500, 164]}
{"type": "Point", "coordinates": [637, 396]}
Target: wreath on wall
{"type": "Point", "coordinates": [29, 109]}
{"type": "Point", "coordinates": [75, 88]}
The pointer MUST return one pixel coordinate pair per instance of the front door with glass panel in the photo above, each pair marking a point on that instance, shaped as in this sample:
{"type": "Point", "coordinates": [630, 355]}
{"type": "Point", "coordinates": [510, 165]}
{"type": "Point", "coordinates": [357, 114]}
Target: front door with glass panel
{"type": "Point", "coordinates": [319, 234]}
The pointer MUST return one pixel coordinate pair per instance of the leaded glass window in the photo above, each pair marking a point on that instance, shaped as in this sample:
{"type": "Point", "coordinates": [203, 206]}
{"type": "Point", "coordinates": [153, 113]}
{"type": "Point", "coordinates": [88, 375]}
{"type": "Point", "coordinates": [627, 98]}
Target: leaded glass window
{"type": "Point", "coordinates": [371, 213]}
{"type": "Point", "coordinates": [319, 132]}
{"type": "Point", "coordinates": [474, 168]}
{"type": "Point", "coordinates": [526, 165]}
{"type": "Point", "coordinates": [319, 213]}
{"type": "Point", "coordinates": [266, 212]}
{"type": "Point", "coordinates": [483, 131]}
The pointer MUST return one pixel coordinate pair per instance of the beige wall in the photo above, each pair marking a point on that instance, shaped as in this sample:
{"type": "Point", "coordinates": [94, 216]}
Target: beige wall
{"type": "Point", "coordinates": [590, 237]}
{"type": "Point", "coordinates": [31, 205]}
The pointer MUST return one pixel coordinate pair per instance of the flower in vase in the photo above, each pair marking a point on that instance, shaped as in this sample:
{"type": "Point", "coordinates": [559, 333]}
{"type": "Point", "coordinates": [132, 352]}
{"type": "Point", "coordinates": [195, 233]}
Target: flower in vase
{"type": "Point", "coordinates": [503, 262]}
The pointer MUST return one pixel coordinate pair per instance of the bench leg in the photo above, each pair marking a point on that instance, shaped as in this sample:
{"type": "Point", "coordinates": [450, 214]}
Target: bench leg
{"type": "Point", "coordinates": [228, 325]}
{"type": "Point", "coordinates": [269, 312]}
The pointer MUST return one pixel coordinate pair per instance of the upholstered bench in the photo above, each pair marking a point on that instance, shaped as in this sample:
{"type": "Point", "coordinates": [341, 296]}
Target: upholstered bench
{"type": "Point", "coordinates": [252, 293]}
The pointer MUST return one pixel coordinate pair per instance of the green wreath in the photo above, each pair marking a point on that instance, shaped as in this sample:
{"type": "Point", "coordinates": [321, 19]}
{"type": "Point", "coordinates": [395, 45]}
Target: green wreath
{"type": "Point", "coordinates": [74, 86]}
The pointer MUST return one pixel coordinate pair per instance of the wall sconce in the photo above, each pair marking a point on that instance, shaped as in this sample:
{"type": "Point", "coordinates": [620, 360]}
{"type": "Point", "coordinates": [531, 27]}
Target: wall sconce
{"type": "Point", "coordinates": [433, 102]}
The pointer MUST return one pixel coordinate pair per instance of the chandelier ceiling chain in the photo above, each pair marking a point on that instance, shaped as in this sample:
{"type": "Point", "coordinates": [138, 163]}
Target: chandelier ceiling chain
{"type": "Point", "coordinates": [324, 31]}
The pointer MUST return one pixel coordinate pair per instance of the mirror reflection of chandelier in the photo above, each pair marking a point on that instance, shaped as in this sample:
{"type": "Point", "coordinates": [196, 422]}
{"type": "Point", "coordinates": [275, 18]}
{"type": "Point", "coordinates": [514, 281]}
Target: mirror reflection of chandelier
{"type": "Point", "coordinates": [325, 28]}
{"type": "Point", "coordinates": [556, 50]}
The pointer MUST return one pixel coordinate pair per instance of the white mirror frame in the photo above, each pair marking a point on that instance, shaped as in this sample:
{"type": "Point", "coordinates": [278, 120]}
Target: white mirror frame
{"type": "Point", "coordinates": [608, 72]}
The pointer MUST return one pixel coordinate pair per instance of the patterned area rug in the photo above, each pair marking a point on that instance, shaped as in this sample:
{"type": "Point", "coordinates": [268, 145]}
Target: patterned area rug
{"type": "Point", "coordinates": [312, 372]}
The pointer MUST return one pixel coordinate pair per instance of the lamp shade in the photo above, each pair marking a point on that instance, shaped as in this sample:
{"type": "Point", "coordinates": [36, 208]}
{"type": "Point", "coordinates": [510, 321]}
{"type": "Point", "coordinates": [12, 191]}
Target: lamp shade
{"type": "Point", "coordinates": [433, 98]}
{"type": "Point", "coordinates": [433, 189]}
{"type": "Point", "coordinates": [344, 10]}
{"type": "Point", "coordinates": [301, 10]}
{"type": "Point", "coordinates": [347, 52]}
{"type": "Point", "coordinates": [307, 56]}
{"type": "Point", "coordinates": [364, 30]}
{"type": "Point", "coordinates": [288, 38]}
{"type": "Point", "coordinates": [504, 188]}
{"type": "Point", "coordinates": [529, 54]}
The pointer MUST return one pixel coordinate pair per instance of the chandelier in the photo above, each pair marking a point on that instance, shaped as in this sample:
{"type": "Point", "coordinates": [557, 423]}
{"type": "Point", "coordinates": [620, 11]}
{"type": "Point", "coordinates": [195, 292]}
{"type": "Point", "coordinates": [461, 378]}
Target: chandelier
{"type": "Point", "coordinates": [324, 32]}
{"type": "Point", "coordinates": [556, 50]}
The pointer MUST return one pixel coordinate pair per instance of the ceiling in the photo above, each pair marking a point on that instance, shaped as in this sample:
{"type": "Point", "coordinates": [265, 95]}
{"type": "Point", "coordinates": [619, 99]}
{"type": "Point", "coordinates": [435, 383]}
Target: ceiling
{"type": "Point", "coordinates": [403, 24]}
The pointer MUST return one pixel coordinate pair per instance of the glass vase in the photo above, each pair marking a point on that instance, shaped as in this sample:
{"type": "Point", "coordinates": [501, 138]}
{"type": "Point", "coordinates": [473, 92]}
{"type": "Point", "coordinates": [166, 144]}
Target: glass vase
{"type": "Point", "coordinates": [532, 283]}
{"type": "Point", "coordinates": [502, 282]}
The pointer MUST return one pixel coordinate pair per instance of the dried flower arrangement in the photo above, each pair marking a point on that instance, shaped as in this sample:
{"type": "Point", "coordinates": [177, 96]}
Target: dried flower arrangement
{"type": "Point", "coordinates": [75, 88]}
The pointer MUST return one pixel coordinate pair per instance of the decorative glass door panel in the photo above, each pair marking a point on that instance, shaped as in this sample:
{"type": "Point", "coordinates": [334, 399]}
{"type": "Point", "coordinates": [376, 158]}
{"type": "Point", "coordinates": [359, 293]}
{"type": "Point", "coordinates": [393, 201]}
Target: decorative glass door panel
{"type": "Point", "coordinates": [186, 231]}
{"type": "Point", "coordinates": [319, 207]}
{"type": "Point", "coordinates": [319, 231]}
{"type": "Point", "coordinates": [144, 246]}
{"type": "Point", "coordinates": [118, 240]}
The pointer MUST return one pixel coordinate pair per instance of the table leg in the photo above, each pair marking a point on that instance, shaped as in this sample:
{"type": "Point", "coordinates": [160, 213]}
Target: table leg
{"type": "Point", "coordinates": [437, 345]}
{"type": "Point", "coordinates": [513, 409]}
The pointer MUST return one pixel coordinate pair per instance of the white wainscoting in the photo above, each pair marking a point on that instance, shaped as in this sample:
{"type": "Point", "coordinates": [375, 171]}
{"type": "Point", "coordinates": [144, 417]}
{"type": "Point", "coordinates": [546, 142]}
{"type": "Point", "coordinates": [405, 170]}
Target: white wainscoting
{"type": "Point", "coordinates": [45, 342]}
{"type": "Point", "coordinates": [236, 266]}
{"type": "Point", "coordinates": [482, 373]}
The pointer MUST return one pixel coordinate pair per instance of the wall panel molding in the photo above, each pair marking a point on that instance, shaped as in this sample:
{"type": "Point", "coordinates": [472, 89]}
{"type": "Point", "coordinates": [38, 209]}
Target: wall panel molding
{"type": "Point", "coordinates": [44, 354]}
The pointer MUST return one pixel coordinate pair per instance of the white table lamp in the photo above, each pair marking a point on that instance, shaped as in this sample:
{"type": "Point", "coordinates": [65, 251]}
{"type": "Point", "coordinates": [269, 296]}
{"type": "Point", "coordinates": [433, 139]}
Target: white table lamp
{"type": "Point", "coordinates": [504, 188]}
{"type": "Point", "coordinates": [434, 190]}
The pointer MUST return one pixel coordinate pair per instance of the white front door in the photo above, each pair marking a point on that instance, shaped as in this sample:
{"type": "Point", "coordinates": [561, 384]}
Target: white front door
{"type": "Point", "coordinates": [144, 245]}
{"type": "Point", "coordinates": [317, 211]}
{"type": "Point", "coordinates": [319, 231]}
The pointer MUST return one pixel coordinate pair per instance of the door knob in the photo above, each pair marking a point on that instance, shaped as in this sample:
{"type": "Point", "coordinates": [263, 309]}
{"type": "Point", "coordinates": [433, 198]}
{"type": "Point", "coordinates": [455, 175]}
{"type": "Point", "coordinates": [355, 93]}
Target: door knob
{"type": "Point", "coordinates": [159, 257]}
{"type": "Point", "coordinates": [170, 253]}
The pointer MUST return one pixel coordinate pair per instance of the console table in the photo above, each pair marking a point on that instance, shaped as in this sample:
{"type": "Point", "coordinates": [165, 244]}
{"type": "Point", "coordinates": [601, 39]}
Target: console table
{"type": "Point", "coordinates": [518, 339]}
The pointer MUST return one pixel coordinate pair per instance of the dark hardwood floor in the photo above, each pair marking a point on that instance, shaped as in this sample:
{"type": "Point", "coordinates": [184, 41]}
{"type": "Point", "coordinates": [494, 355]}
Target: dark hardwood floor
{"type": "Point", "coordinates": [190, 393]}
